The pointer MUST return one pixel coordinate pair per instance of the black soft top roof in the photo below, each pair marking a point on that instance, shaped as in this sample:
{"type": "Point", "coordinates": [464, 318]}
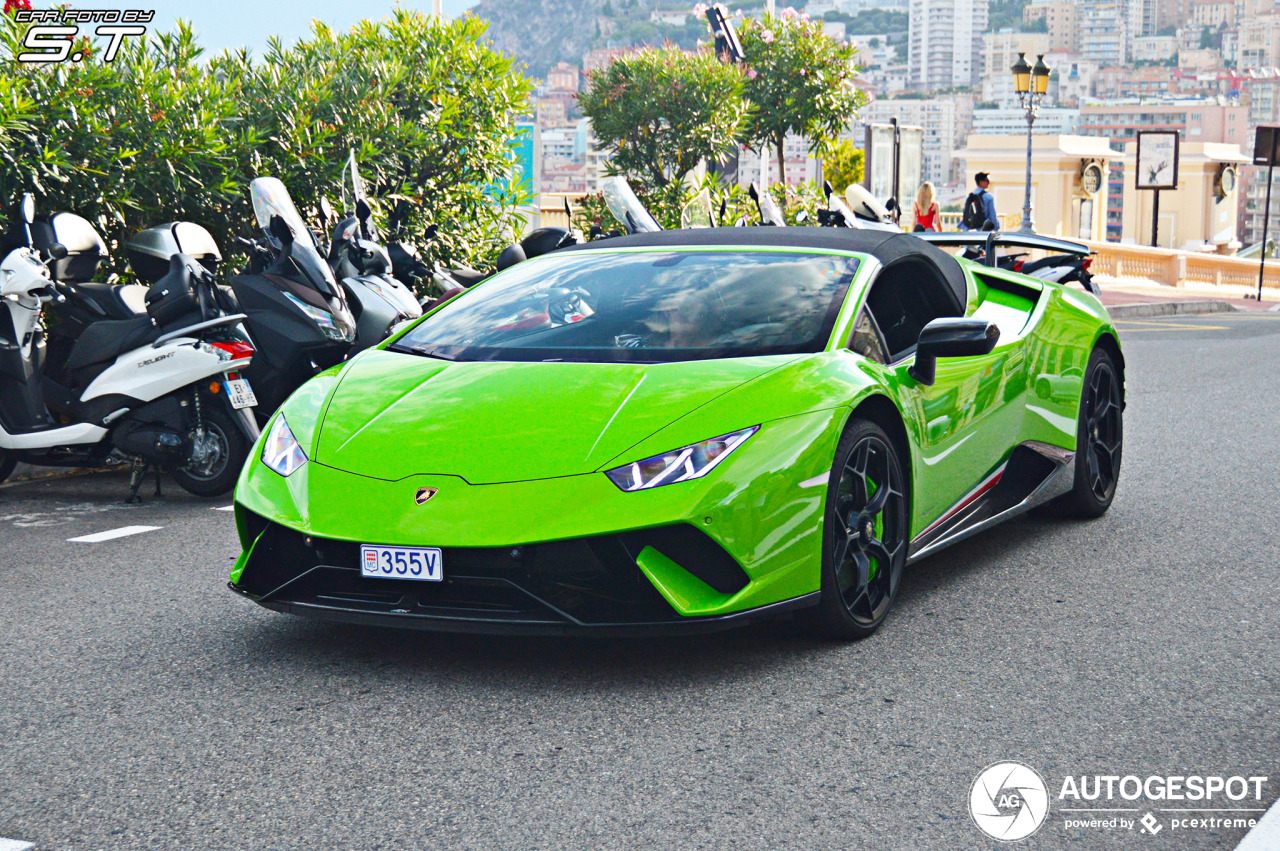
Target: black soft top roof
{"type": "Point", "coordinates": [886, 246]}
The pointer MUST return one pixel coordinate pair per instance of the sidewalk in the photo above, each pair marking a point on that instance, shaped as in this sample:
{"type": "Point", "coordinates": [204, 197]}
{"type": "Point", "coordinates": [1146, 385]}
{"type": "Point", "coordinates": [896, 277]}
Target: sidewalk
{"type": "Point", "coordinates": [1127, 293]}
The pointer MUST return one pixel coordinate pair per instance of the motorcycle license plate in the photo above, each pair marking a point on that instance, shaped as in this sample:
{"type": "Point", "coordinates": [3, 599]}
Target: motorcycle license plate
{"type": "Point", "coordinates": [421, 563]}
{"type": "Point", "coordinates": [240, 393]}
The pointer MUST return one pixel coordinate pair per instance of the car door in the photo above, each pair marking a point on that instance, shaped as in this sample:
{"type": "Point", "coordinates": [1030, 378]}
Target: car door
{"type": "Point", "coordinates": [958, 439]}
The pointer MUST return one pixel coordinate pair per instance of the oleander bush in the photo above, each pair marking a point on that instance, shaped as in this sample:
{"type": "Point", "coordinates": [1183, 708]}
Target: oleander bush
{"type": "Point", "coordinates": [165, 133]}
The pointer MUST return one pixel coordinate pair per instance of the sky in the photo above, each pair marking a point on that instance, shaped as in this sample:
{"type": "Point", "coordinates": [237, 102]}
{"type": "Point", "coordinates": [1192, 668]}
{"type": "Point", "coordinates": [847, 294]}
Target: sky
{"type": "Point", "coordinates": [249, 23]}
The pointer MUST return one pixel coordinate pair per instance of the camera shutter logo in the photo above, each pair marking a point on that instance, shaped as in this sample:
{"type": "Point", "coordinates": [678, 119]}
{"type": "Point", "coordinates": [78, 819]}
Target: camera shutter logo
{"type": "Point", "coordinates": [1008, 801]}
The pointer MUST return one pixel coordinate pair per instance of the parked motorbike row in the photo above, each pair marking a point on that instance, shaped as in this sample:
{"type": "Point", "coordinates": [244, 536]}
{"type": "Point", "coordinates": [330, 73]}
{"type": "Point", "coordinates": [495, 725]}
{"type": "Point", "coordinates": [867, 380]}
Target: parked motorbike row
{"type": "Point", "coordinates": [179, 372]}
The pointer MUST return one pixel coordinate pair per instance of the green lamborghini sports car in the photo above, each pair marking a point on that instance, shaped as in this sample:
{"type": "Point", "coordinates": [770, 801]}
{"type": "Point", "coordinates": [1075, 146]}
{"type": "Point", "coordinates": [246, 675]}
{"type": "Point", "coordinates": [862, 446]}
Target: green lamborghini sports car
{"type": "Point", "coordinates": [682, 430]}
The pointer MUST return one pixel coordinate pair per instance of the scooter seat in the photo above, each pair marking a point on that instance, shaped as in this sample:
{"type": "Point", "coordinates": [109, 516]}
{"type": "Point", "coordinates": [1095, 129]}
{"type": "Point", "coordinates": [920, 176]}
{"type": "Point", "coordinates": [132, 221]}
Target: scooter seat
{"type": "Point", "coordinates": [467, 277]}
{"type": "Point", "coordinates": [102, 342]}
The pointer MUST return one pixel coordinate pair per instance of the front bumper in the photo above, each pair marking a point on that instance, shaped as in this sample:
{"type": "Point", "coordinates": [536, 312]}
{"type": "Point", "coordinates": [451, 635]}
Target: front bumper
{"type": "Point", "coordinates": [702, 554]}
{"type": "Point", "coordinates": [594, 585]}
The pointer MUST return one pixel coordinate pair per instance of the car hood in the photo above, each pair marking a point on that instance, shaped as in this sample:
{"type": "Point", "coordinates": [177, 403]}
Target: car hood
{"type": "Point", "coordinates": [395, 415]}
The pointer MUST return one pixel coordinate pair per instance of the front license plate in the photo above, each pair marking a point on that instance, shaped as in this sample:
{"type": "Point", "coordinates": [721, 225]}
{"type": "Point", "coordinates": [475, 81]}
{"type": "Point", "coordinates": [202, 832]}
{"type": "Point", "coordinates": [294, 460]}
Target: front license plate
{"type": "Point", "coordinates": [422, 563]}
{"type": "Point", "coordinates": [240, 393]}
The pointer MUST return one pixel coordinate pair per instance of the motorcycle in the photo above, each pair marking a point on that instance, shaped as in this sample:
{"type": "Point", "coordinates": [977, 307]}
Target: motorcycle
{"type": "Point", "coordinates": [164, 389]}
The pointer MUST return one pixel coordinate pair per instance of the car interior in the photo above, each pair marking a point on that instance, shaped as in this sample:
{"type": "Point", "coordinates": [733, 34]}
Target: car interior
{"type": "Point", "coordinates": [907, 295]}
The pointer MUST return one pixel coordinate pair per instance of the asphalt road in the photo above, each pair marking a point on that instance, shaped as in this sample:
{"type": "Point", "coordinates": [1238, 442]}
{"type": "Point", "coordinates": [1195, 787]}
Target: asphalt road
{"type": "Point", "coordinates": [142, 705]}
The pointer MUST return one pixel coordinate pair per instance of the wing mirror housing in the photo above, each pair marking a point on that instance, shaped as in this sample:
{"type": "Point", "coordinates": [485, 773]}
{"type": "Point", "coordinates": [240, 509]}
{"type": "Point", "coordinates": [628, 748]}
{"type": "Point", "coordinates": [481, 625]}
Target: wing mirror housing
{"type": "Point", "coordinates": [57, 251]}
{"type": "Point", "coordinates": [951, 337]}
{"type": "Point", "coordinates": [28, 208]}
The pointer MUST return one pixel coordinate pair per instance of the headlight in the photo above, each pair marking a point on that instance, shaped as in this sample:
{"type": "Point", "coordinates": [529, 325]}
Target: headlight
{"type": "Point", "coordinates": [333, 327]}
{"type": "Point", "coordinates": [678, 465]}
{"type": "Point", "coordinates": [281, 451]}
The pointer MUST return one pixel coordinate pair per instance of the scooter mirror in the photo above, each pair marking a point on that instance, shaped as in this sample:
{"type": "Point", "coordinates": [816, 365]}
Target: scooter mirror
{"type": "Point", "coordinates": [326, 211]}
{"type": "Point", "coordinates": [827, 190]}
{"type": "Point", "coordinates": [363, 212]}
{"type": "Point", "coordinates": [28, 208]}
{"type": "Point", "coordinates": [802, 217]}
{"type": "Point", "coordinates": [57, 251]}
{"type": "Point", "coordinates": [281, 231]}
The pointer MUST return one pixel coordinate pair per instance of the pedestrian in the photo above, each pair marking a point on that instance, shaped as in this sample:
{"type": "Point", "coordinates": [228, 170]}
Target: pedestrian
{"type": "Point", "coordinates": [980, 206]}
{"type": "Point", "coordinates": [926, 208]}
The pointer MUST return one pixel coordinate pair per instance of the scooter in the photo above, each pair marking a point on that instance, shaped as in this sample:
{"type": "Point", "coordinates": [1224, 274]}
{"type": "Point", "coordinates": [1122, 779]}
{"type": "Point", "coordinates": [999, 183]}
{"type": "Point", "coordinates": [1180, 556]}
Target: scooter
{"type": "Point", "coordinates": [164, 389]}
{"type": "Point", "coordinates": [298, 316]}
{"type": "Point", "coordinates": [378, 301]}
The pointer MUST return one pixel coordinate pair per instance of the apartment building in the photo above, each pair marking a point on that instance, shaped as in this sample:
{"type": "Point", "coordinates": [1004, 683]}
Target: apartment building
{"type": "Point", "coordinates": [945, 43]}
{"type": "Point", "coordinates": [999, 51]}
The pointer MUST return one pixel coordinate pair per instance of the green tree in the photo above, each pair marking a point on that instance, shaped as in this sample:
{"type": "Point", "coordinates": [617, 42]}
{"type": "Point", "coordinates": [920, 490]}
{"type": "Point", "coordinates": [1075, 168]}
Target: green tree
{"type": "Point", "coordinates": [662, 111]}
{"type": "Point", "coordinates": [799, 81]}
{"type": "Point", "coordinates": [843, 164]}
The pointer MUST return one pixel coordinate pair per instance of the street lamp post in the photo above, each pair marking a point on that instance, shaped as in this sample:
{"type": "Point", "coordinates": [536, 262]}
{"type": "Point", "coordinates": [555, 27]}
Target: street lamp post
{"type": "Point", "coordinates": [1030, 84]}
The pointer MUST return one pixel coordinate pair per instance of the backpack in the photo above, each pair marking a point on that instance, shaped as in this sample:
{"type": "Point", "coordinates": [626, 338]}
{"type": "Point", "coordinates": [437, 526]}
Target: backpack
{"type": "Point", "coordinates": [974, 216]}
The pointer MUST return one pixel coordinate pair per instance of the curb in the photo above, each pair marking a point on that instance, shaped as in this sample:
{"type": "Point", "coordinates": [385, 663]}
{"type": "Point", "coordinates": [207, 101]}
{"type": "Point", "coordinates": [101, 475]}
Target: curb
{"type": "Point", "coordinates": [1170, 308]}
{"type": "Point", "coordinates": [25, 474]}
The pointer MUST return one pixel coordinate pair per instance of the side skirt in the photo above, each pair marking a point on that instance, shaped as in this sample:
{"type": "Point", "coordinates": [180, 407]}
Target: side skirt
{"type": "Point", "coordinates": [1034, 474]}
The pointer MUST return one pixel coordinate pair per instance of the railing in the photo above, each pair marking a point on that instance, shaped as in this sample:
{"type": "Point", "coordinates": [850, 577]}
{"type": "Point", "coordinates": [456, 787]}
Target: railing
{"type": "Point", "coordinates": [1143, 264]}
{"type": "Point", "coordinates": [1008, 221]}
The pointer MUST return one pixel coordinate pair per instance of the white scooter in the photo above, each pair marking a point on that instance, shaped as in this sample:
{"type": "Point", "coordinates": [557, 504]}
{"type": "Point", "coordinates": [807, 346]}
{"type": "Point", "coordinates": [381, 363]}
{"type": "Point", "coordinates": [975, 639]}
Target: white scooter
{"type": "Point", "coordinates": [163, 390]}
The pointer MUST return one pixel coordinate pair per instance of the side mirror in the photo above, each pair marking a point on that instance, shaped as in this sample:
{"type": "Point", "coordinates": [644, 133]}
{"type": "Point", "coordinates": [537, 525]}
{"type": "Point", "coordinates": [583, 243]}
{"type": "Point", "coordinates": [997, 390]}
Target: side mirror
{"type": "Point", "coordinates": [28, 208]}
{"type": "Point", "coordinates": [56, 251]}
{"type": "Point", "coordinates": [281, 231]}
{"type": "Point", "coordinates": [326, 211]}
{"type": "Point", "coordinates": [802, 217]}
{"type": "Point", "coordinates": [951, 337]}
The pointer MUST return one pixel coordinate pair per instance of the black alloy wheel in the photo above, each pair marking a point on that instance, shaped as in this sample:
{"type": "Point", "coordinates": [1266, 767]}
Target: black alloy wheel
{"type": "Point", "coordinates": [1099, 439]}
{"type": "Point", "coordinates": [865, 547]}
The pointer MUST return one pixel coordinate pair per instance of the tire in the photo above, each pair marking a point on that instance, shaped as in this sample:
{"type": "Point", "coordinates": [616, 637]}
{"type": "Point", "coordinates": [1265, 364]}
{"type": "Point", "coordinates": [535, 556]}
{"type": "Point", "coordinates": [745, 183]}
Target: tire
{"type": "Point", "coordinates": [7, 462]}
{"type": "Point", "coordinates": [218, 476]}
{"type": "Point", "coordinates": [864, 549]}
{"type": "Point", "coordinates": [1099, 440]}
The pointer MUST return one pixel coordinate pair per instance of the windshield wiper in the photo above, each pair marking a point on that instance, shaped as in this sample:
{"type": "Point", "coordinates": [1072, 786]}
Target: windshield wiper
{"type": "Point", "coordinates": [421, 351]}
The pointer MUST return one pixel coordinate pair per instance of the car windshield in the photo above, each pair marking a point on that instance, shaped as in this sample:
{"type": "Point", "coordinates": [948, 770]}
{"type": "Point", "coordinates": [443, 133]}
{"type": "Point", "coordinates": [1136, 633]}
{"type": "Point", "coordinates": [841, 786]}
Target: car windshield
{"type": "Point", "coordinates": [642, 307]}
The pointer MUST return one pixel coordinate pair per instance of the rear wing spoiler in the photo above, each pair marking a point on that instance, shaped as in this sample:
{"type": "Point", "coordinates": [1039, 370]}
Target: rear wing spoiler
{"type": "Point", "coordinates": [988, 241]}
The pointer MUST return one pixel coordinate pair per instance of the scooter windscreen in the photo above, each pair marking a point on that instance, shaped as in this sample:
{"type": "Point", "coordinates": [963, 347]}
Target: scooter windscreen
{"type": "Point", "coordinates": [770, 212]}
{"type": "Point", "coordinates": [626, 207]}
{"type": "Point", "coordinates": [271, 199]}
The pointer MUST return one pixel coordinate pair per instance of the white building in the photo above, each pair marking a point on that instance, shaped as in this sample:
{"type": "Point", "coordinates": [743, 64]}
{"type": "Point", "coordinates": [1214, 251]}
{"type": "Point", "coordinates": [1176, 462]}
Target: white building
{"type": "Point", "coordinates": [945, 43]}
{"type": "Point", "coordinates": [670, 17]}
{"type": "Point", "coordinates": [945, 121]}
{"type": "Point", "coordinates": [999, 51]}
{"type": "Point", "coordinates": [1053, 121]}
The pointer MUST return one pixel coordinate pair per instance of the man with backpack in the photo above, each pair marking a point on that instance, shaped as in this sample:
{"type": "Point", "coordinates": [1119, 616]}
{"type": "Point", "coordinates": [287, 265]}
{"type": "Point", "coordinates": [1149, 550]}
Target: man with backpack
{"type": "Point", "coordinates": [980, 207]}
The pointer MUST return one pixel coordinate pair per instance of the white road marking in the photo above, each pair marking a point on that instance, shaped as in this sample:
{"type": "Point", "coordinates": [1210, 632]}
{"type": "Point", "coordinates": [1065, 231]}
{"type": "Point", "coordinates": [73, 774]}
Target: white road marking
{"type": "Point", "coordinates": [111, 534]}
{"type": "Point", "coordinates": [1265, 835]}
{"type": "Point", "coordinates": [15, 844]}
{"type": "Point", "coordinates": [226, 508]}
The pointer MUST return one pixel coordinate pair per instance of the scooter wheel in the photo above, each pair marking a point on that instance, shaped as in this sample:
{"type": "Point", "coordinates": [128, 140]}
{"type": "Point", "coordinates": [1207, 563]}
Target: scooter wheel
{"type": "Point", "coordinates": [224, 456]}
